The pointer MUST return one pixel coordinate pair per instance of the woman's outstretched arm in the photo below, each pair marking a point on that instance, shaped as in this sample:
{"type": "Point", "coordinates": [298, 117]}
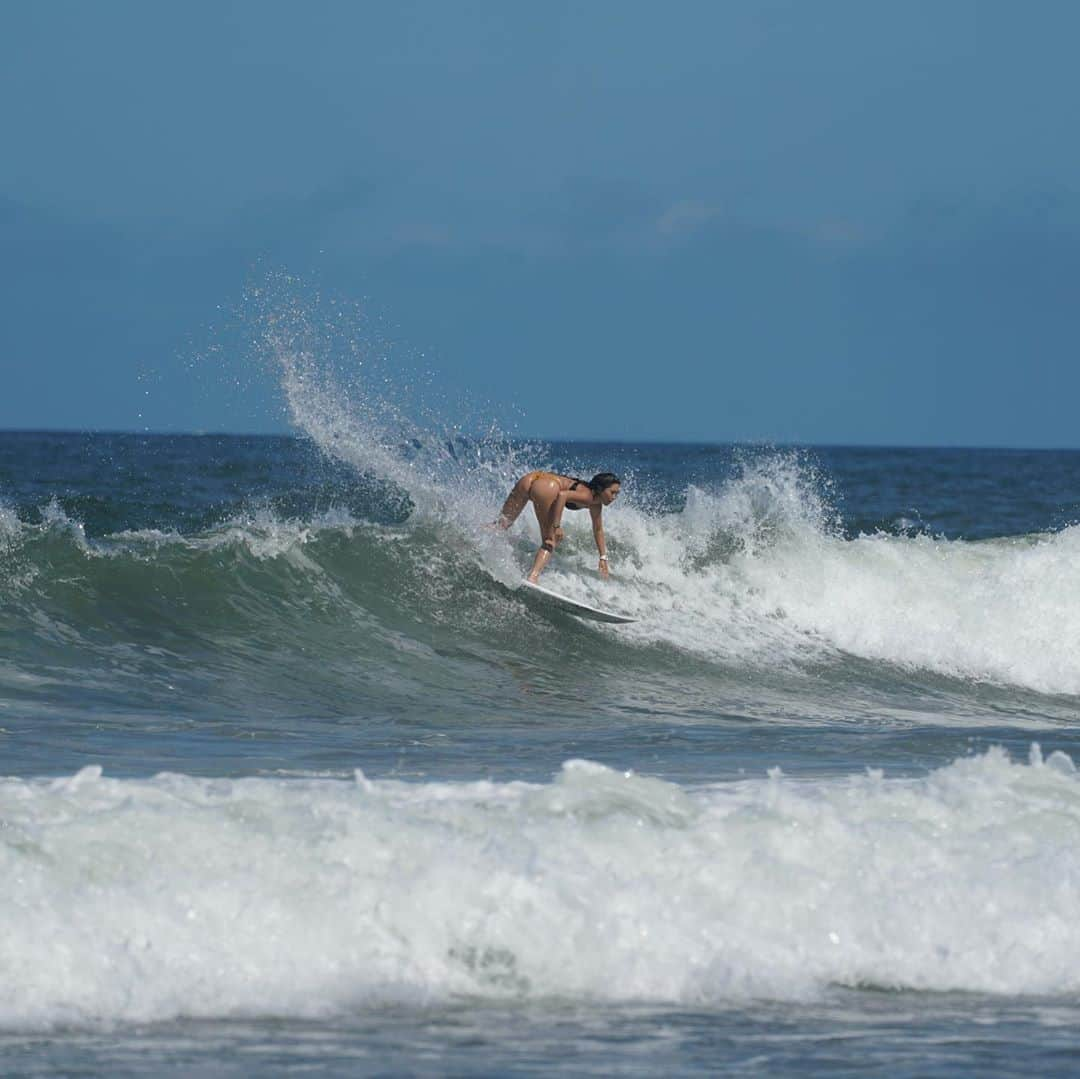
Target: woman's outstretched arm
{"type": "Point", "coordinates": [598, 535]}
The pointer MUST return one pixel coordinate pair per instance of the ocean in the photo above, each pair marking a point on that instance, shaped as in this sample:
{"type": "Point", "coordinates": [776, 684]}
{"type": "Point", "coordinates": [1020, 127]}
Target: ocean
{"type": "Point", "coordinates": [292, 777]}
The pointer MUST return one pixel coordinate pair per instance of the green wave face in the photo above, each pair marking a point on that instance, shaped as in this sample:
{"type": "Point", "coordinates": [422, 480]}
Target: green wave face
{"type": "Point", "coordinates": [760, 615]}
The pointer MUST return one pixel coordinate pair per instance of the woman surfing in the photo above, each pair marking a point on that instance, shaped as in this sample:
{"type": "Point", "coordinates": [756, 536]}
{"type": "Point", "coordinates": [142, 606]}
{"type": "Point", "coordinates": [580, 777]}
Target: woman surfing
{"type": "Point", "coordinates": [551, 493]}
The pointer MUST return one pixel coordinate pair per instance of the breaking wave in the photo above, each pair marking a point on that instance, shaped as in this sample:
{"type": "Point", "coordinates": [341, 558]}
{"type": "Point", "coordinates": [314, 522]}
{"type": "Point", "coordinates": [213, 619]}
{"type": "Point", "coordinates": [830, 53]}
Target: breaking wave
{"type": "Point", "coordinates": [139, 900]}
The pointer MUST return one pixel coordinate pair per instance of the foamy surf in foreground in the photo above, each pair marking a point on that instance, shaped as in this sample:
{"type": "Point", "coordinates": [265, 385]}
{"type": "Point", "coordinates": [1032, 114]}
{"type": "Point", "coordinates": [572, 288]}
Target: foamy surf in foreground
{"type": "Point", "coordinates": [135, 900]}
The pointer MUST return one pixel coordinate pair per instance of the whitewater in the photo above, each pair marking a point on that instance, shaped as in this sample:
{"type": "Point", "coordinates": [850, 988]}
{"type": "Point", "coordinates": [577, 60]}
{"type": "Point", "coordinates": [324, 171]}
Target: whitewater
{"type": "Point", "coordinates": [174, 896]}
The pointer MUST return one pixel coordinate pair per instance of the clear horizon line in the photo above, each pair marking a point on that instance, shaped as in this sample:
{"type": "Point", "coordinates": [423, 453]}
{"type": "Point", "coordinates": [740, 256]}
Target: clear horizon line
{"type": "Point", "coordinates": [592, 440]}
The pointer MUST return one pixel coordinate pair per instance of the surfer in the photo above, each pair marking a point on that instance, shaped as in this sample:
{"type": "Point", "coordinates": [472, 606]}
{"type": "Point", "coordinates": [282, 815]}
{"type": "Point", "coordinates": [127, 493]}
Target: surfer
{"type": "Point", "coordinates": [550, 494]}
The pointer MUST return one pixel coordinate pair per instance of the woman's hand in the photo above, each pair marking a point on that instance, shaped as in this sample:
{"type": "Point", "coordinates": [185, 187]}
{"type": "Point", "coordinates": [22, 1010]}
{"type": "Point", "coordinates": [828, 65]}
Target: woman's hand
{"type": "Point", "coordinates": [603, 568]}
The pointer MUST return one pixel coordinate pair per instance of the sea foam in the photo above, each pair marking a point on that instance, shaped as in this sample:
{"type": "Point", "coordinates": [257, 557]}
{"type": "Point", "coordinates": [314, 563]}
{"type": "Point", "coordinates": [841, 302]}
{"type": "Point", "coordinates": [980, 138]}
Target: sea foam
{"type": "Point", "coordinates": [759, 572]}
{"type": "Point", "coordinates": [136, 900]}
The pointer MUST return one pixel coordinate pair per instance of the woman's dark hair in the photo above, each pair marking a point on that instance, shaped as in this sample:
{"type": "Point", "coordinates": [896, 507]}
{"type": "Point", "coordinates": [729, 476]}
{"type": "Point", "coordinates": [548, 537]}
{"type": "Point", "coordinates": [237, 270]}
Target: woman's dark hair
{"type": "Point", "coordinates": [602, 481]}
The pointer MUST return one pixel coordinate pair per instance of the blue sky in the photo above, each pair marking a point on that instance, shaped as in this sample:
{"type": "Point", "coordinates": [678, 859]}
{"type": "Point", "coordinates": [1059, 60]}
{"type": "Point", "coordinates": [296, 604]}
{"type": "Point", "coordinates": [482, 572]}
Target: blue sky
{"type": "Point", "coordinates": [830, 222]}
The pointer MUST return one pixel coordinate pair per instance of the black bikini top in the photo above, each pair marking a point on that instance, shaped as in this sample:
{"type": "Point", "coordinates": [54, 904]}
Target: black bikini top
{"type": "Point", "coordinates": [573, 487]}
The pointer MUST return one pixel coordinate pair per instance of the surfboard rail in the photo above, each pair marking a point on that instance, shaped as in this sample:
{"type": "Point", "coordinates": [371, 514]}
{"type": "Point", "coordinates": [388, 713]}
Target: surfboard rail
{"type": "Point", "coordinates": [576, 607]}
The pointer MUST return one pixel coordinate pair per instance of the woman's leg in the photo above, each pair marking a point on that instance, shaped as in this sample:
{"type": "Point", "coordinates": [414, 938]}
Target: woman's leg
{"type": "Point", "coordinates": [516, 501]}
{"type": "Point", "coordinates": [544, 496]}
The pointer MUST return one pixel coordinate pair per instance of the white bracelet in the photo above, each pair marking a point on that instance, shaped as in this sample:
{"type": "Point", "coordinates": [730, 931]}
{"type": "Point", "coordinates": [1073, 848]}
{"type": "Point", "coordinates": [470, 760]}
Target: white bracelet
{"type": "Point", "coordinates": [603, 558]}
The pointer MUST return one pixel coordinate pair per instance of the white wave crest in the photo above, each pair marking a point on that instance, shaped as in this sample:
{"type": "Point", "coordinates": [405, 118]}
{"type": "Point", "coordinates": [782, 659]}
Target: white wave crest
{"type": "Point", "coordinates": [759, 572]}
{"type": "Point", "coordinates": [133, 900]}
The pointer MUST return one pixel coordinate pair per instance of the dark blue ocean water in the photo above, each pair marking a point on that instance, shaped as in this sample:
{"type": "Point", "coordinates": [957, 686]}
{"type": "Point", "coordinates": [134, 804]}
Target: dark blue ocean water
{"type": "Point", "coordinates": [295, 778]}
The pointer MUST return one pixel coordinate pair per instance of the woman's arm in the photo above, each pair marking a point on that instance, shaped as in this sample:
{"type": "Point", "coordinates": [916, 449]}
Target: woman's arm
{"type": "Point", "coordinates": [598, 535]}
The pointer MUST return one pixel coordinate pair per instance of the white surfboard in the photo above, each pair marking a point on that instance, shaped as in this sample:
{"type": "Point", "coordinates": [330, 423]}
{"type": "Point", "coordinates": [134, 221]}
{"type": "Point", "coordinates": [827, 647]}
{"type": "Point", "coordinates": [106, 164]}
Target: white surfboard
{"type": "Point", "coordinates": [573, 606]}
